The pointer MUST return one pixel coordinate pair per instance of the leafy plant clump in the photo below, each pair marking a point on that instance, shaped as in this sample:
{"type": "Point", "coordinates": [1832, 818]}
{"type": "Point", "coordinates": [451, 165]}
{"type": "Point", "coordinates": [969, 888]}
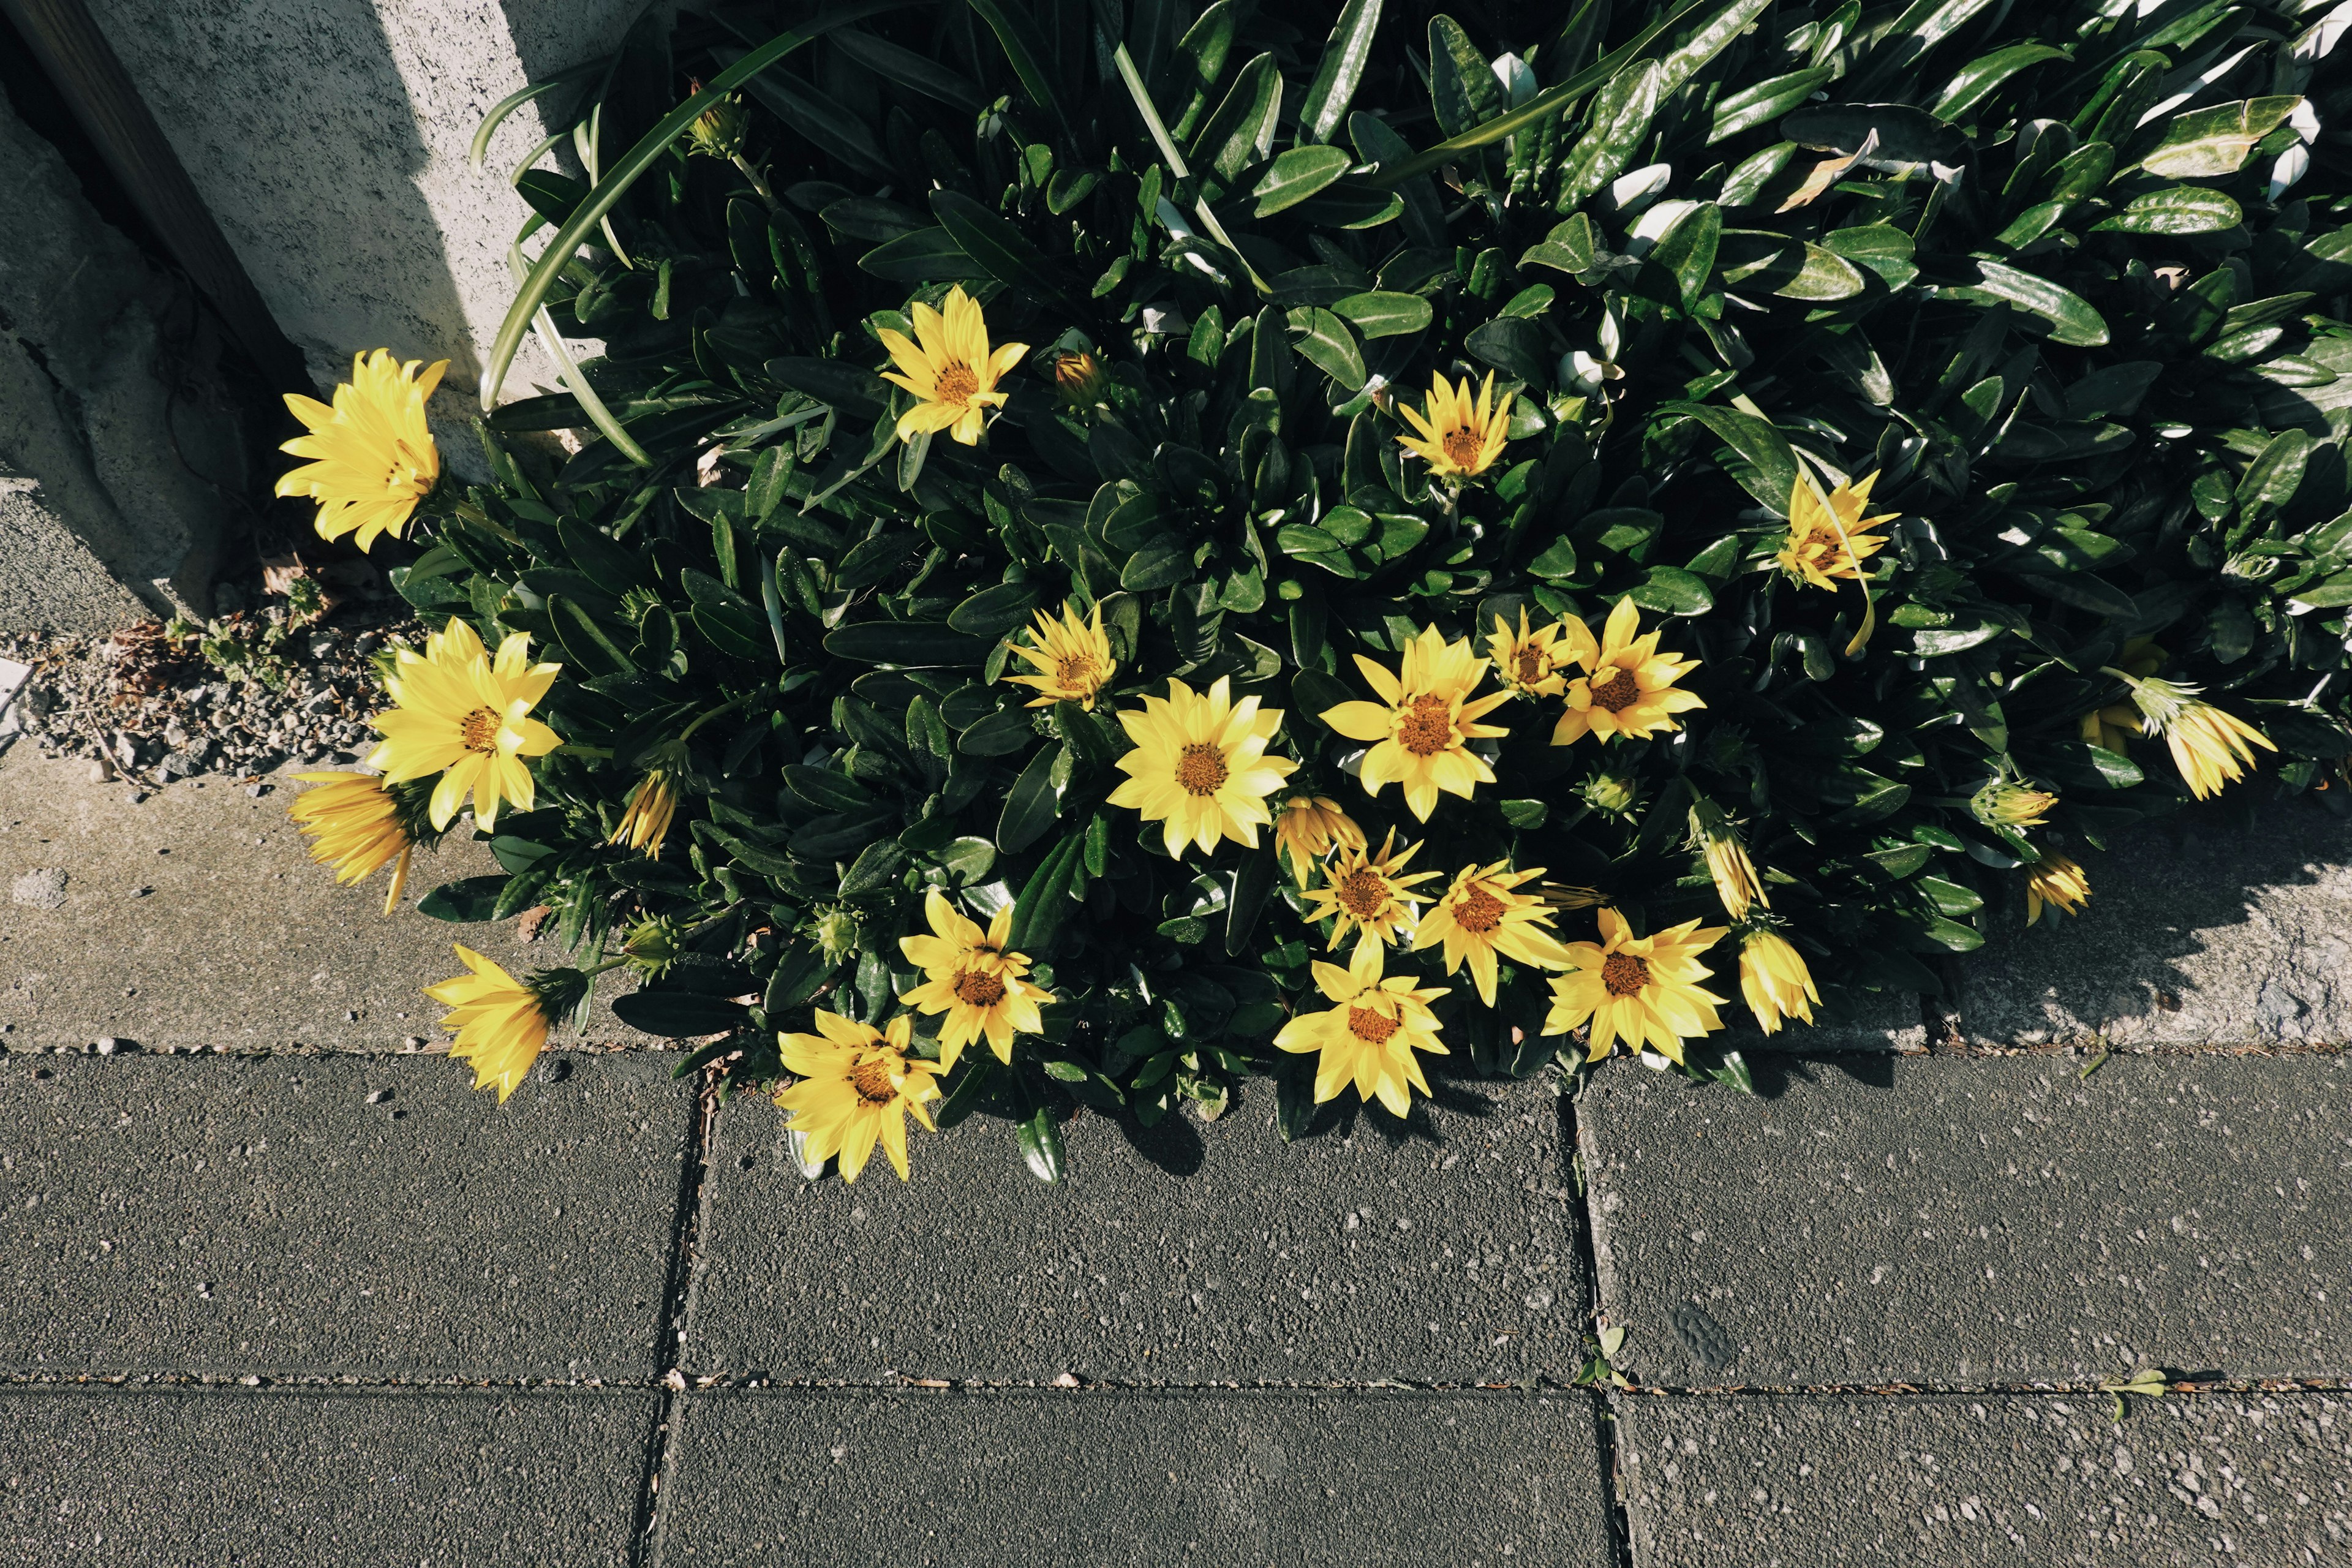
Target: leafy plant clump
{"type": "Point", "coordinates": [1956, 390]}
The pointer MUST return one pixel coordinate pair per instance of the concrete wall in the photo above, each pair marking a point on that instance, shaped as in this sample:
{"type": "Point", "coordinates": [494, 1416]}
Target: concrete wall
{"type": "Point", "coordinates": [329, 138]}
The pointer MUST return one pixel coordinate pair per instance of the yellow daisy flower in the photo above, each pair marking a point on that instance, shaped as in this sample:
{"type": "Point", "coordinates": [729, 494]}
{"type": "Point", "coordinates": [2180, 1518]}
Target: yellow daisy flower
{"type": "Point", "coordinates": [2209, 747]}
{"type": "Point", "coordinates": [970, 975]}
{"type": "Point", "coordinates": [1077, 376]}
{"type": "Point", "coordinates": [1306, 827]}
{"type": "Point", "coordinates": [1457, 435]}
{"type": "Point", "coordinates": [1829, 536]}
{"type": "Point", "coordinates": [463, 716]}
{"type": "Point", "coordinates": [1641, 990]}
{"type": "Point", "coordinates": [950, 369]}
{"type": "Point", "coordinates": [502, 1023]}
{"type": "Point", "coordinates": [1734, 874]}
{"type": "Point", "coordinates": [1530, 663]}
{"type": "Point", "coordinates": [1774, 981]}
{"type": "Point", "coordinates": [2005, 803]}
{"type": "Point", "coordinates": [1371, 894]}
{"type": "Point", "coordinates": [2115, 726]}
{"type": "Point", "coordinates": [857, 1086]}
{"type": "Point", "coordinates": [372, 457]}
{"type": "Point", "coordinates": [2058, 883]}
{"type": "Point", "coordinates": [1421, 726]}
{"type": "Point", "coordinates": [1369, 1035]}
{"type": "Point", "coordinates": [1483, 914]}
{"type": "Point", "coordinates": [355, 825]}
{"type": "Point", "coordinates": [646, 822]}
{"type": "Point", "coordinates": [1071, 661]}
{"type": "Point", "coordinates": [1628, 686]}
{"type": "Point", "coordinates": [1200, 765]}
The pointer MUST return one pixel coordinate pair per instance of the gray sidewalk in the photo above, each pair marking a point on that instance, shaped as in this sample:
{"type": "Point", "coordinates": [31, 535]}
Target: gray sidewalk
{"type": "Point", "coordinates": [322, 1303]}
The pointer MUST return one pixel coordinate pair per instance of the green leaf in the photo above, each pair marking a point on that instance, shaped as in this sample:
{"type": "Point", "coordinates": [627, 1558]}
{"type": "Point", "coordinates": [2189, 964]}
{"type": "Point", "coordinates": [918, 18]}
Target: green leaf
{"type": "Point", "coordinates": [908, 645]}
{"type": "Point", "coordinates": [993, 612]}
{"type": "Point", "coordinates": [1687, 248]}
{"type": "Point", "coordinates": [1339, 72]}
{"type": "Point", "coordinates": [909, 69]}
{"type": "Point", "coordinates": [1031, 805]}
{"type": "Point", "coordinates": [1824, 276]}
{"type": "Point", "coordinates": [1975, 82]}
{"type": "Point", "coordinates": [1672, 590]}
{"type": "Point", "coordinates": [1040, 1137]}
{"type": "Point", "coordinates": [2208, 143]}
{"type": "Point", "coordinates": [1771, 474]}
{"type": "Point", "coordinates": [1003, 250]}
{"type": "Point", "coordinates": [1045, 900]}
{"type": "Point", "coordinates": [1024, 51]}
{"type": "Point", "coordinates": [2183, 209]}
{"type": "Point", "coordinates": [1514, 345]}
{"type": "Point", "coordinates": [679, 1014]}
{"type": "Point", "coordinates": [1253, 885]}
{"type": "Point", "coordinates": [1461, 85]}
{"type": "Point", "coordinates": [1297, 175]}
{"type": "Point", "coordinates": [1766, 101]}
{"type": "Point", "coordinates": [1710, 39]}
{"type": "Point", "coordinates": [1241, 129]}
{"type": "Point", "coordinates": [1326, 343]}
{"type": "Point", "coordinates": [2072, 319]}
{"type": "Point", "coordinates": [468, 902]}
{"type": "Point", "coordinates": [1621, 119]}
{"type": "Point", "coordinates": [584, 641]}
{"type": "Point", "coordinates": [1384, 315]}
{"type": "Point", "coordinates": [925, 255]}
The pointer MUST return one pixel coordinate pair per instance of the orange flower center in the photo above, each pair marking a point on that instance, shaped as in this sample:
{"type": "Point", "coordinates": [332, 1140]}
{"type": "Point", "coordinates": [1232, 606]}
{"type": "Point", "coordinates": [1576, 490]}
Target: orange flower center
{"type": "Point", "coordinates": [1372, 1029]}
{"type": "Point", "coordinates": [1534, 665]}
{"type": "Point", "coordinates": [1479, 911]}
{"type": "Point", "coordinates": [1619, 692]}
{"type": "Point", "coordinates": [871, 1079]}
{"type": "Point", "coordinates": [1622, 975]}
{"type": "Point", "coordinates": [956, 384]}
{"type": "Point", "coordinates": [1200, 768]}
{"type": "Point", "coordinates": [1462, 446]}
{"type": "Point", "coordinates": [479, 731]}
{"type": "Point", "coordinates": [1362, 893]}
{"type": "Point", "coordinates": [1076, 672]}
{"type": "Point", "coordinates": [1428, 726]}
{"type": "Point", "coordinates": [979, 988]}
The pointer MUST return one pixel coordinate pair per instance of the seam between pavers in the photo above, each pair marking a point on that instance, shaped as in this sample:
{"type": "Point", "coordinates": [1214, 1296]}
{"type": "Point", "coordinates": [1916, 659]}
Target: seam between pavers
{"type": "Point", "coordinates": [1604, 1425]}
{"type": "Point", "coordinates": [677, 1304]}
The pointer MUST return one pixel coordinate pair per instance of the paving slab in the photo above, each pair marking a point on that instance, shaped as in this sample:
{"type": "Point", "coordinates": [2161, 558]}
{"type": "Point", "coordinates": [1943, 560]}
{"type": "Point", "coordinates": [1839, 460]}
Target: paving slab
{"type": "Point", "coordinates": [1948, 1480]}
{"type": "Point", "coordinates": [1434, 1252]}
{"type": "Point", "coordinates": [1098, 1478]}
{"type": "Point", "coordinates": [1961, 1222]}
{"type": "Point", "coordinates": [2201, 929]}
{"type": "Point", "coordinates": [373, 1217]}
{"type": "Point", "coordinates": [195, 918]}
{"type": "Point", "coordinates": [440, 1477]}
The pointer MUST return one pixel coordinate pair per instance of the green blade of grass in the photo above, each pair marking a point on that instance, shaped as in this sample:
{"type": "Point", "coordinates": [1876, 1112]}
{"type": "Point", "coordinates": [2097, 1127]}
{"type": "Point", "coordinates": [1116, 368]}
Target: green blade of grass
{"type": "Point", "coordinates": [575, 379]}
{"type": "Point", "coordinates": [514, 100]}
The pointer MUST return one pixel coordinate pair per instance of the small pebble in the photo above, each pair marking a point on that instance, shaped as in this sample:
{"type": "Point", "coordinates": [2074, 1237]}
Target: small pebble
{"type": "Point", "coordinates": [110, 1045]}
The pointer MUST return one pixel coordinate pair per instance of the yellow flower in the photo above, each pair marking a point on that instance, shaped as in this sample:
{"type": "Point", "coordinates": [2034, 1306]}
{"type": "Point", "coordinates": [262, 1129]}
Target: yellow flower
{"type": "Point", "coordinates": [1421, 726]}
{"type": "Point", "coordinates": [468, 719]}
{"type": "Point", "coordinates": [1200, 765]}
{"type": "Point", "coordinates": [1071, 661]}
{"type": "Point", "coordinates": [1369, 893]}
{"type": "Point", "coordinates": [970, 975]}
{"type": "Point", "coordinates": [1815, 551]}
{"type": "Point", "coordinates": [373, 459]}
{"type": "Point", "coordinates": [1641, 990]}
{"type": "Point", "coordinates": [720, 130]}
{"type": "Point", "coordinates": [652, 803]}
{"type": "Point", "coordinates": [2115, 726]}
{"type": "Point", "coordinates": [1306, 827]}
{"type": "Point", "coordinates": [1628, 686]}
{"type": "Point", "coordinates": [2058, 883]}
{"type": "Point", "coordinates": [1736, 882]}
{"type": "Point", "coordinates": [1481, 915]}
{"type": "Point", "coordinates": [2003, 802]}
{"type": "Point", "coordinates": [1368, 1037]}
{"type": "Point", "coordinates": [1775, 981]}
{"type": "Point", "coordinates": [1529, 663]}
{"type": "Point", "coordinates": [857, 1086]}
{"type": "Point", "coordinates": [1458, 436]}
{"type": "Point", "coordinates": [1077, 376]}
{"type": "Point", "coordinates": [2209, 747]}
{"type": "Point", "coordinates": [356, 826]}
{"type": "Point", "coordinates": [502, 1023]}
{"type": "Point", "coordinates": [949, 370]}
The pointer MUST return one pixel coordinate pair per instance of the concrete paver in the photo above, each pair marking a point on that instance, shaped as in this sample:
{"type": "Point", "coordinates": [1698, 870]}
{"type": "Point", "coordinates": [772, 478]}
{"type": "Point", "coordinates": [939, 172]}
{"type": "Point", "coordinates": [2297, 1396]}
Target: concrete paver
{"type": "Point", "coordinates": [197, 920]}
{"type": "Point", "coordinates": [1955, 1480]}
{"type": "Point", "coordinates": [335, 1214]}
{"type": "Point", "coordinates": [2198, 932]}
{"type": "Point", "coordinates": [1095, 1479]}
{"type": "Point", "coordinates": [1962, 1222]}
{"type": "Point", "coordinates": [1441, 1254]}
{"type": "Point", "coordinates": [445, 1477]}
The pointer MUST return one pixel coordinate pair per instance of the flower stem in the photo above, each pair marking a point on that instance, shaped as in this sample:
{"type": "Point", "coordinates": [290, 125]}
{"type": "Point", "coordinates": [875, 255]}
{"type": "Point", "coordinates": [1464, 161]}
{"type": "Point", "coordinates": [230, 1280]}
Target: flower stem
{"type": "Point", "coordinates": [759, 183]}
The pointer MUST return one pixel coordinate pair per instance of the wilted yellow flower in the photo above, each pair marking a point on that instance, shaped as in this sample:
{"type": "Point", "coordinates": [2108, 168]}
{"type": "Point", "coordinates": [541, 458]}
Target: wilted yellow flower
{"type": "Point", "coordinates": [1530, 663]}
{"type": "Point", "coordinates": [1371, 894]}
{"type": "Point", "coordinates": [1070, 661]}
{"type": "Point", "coordinates": [1368, 1037]}
{"type": "Point", "coordinates": [1306, 827]}
{"type": "Point", "coordinates": [1458, 436]}
{"type": "Point", "coordinates": [1077, 376]}
{"type": "Point", "coordinates": [1736, 882]}
{"type": "Point", "coordinates": [502, 1023]}
{"type": "Point", "coordinates": [1829, 537]}
{"type": "Point", "coordinates": [1628, 687]}
{"type": "Point", "coordinates": [1774, 981]}
{"type": "Point", "coordinates": [652, 803]}
{"type": "Point", "coordinates": [355, 826]}
{"type": "Point", "coordinates": [466, 718]}
{"type": "Point", "coordinates": [972, 977]}
{"type": "Point", "coordinates": [858, 1085]}
{"type": "Point", "coordinates": [1483, 914]}
{"type": "Point", "coordinates": [2005, 803]}
{"type": "Point", "coordinates": [373, 457]}
{"type": "Point", "coordinates": [1641, 990]}
{"type": "Point", "coordinates": [2116, 724]}
{"type": "Point", "coordinates": [2058, 883]}
{"type": "Point", "coordinates": [950, 369]}
{"type": "Point", "coordinates": [1421, 727]}
{"type": "Point", "coordinates": [2209, 747]}
{"type": "Point", "coordinates": [1200, 765]}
